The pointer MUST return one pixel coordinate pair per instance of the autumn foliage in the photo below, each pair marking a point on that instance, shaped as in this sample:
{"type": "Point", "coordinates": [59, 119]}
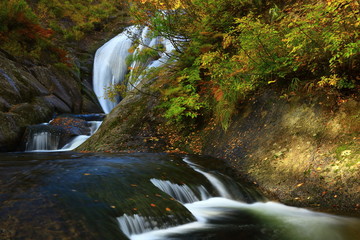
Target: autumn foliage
{"type": "Point", "coordinates": [41, 28]}
{"type": "Point", "coordinates": [227, 49]}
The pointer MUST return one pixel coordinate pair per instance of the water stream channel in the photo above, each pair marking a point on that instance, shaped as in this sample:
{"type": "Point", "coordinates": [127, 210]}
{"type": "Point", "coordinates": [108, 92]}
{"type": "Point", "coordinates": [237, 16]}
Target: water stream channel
{"type": "Point", "coordinates": [70, 195]}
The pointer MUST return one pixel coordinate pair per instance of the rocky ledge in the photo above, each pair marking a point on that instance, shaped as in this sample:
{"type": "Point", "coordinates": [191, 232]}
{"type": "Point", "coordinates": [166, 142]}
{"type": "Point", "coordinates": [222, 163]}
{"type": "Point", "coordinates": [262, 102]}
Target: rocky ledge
{"type": "Point", "coordinates": [32, 93]}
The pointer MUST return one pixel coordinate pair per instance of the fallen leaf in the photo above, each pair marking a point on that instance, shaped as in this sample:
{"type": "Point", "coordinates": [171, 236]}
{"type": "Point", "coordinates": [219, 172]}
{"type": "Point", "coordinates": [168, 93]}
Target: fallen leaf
{"type": "Point", "coordinates": [153, 205]}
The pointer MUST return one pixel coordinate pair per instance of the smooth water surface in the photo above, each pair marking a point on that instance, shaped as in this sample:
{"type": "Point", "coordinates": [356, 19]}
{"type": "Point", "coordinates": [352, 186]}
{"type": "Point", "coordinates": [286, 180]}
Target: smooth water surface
{"type": "Point", "coordinates": [69, 195]}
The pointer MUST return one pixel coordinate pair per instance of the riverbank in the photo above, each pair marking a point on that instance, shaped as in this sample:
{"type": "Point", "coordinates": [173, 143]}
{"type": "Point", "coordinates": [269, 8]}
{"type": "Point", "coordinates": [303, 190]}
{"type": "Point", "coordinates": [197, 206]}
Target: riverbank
{"type": "Point", "coordinates": [301, 149]}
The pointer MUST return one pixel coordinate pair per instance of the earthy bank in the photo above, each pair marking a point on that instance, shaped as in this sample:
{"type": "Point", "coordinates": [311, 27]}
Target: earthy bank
{"type": "Point", "coordinates": [299, 148]}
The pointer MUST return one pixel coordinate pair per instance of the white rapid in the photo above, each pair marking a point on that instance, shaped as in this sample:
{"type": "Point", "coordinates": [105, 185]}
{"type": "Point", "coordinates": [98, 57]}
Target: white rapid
{"type": "Point", "coordinates": [182, 193]}
{"type": "Point", "coordinates": [43, 141]}
{"type": "Point", "coordinates": [47, 141]}
{"type": "Point", "coordinates": [234, 218]}
{"type": "Point", "coordinates": [110, 65]}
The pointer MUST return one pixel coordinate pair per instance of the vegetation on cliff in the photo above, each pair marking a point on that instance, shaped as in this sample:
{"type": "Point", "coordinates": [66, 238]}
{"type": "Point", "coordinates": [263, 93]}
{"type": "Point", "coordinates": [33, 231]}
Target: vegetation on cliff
{"type": "Point", "coordinates": [42, 29]}
{"type": "Point", "coordinates": [225, 50]}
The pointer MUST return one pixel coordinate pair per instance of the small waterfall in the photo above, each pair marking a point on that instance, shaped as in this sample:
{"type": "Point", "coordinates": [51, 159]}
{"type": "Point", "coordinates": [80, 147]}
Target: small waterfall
{"type": "Point", "coordinates": [110, 67]}
{"type": "Point", "coordinates": [94, 126]}
{"type": "Point", "coordinates": [136, 224]}
{"type": "Point", "coordinates": [225, 186]}
{"type": "Point", "coordinates": [47, 137]}
{"type": "Point", "coordinates": [75, 142]}
{"type": "Point", "coordinates": [182, 193]}
{"type": "Point", "coordinates": [43, 141]}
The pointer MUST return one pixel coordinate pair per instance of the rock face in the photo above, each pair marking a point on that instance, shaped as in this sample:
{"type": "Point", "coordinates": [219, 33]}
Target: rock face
{"type": "Point", "coordinates": [32, 93]}
{"type": "Point", "coordinates": [302, 149]}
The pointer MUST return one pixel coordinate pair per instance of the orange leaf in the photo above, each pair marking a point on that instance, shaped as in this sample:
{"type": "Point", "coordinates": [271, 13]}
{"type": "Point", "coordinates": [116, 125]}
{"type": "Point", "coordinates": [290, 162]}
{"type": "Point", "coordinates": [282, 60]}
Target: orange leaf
{"type": "Point", "coordinates": [153, 205]}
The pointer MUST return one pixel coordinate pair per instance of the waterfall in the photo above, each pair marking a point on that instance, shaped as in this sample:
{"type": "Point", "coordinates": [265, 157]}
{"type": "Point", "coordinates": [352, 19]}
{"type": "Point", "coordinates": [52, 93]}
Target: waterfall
{"type": "Point", "coordinates": [43, 141]}
{"type": "Point", "coordinates": [46, 137]}
{"type": "Point", "coordinates": [182, 193]}
{"type": "Point", "coordinates": [75, 142]}
{"type": "Point", "coordinates": [136, 224]}
{"type": "Point", "coordinates": [110, 65]}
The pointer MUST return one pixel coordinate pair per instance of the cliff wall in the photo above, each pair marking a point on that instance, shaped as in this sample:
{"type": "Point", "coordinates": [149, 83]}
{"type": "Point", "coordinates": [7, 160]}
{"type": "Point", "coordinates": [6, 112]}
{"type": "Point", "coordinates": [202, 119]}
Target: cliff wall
{"type": "Point", "coordinates": [32, 93]}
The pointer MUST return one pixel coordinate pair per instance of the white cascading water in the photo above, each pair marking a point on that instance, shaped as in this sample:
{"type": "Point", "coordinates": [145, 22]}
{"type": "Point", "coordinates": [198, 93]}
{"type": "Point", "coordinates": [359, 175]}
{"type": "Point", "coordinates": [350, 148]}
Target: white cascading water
{"type": "Point", "coordinates": [182, 193]}
{"type": "Point", "coordinates": [110, 67]}
{"type": "Point", "coordinates": [43, 141]}
{"type": "Point", "coordinates": [46, 141]}
{"type": "Point", "coordinates": [78, 140]}
{"type": "Point", "coordinates": [209, 211]}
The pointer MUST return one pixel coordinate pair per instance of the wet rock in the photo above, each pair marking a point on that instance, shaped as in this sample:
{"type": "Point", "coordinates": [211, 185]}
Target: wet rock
{"type": "Point", "coordinates": [86, 117]}
{"type": "Point", "coordinates": [73, 126]}
{"type": "Point", "coordinates": [58, 132]}
{"type": "Point", "coordinates": [31, 93]}
{"type": "Point", "coordinates": [57, 104]}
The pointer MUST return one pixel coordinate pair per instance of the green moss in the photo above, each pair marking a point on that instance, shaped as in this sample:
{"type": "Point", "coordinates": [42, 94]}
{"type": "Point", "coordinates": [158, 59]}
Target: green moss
{"type": "Point", "coordinates": [346, 151]}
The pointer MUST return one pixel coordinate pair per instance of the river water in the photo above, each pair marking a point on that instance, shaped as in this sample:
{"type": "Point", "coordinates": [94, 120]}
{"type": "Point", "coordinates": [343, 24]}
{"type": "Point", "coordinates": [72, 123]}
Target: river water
{"type": "Point", "coordinates": [70, 195]}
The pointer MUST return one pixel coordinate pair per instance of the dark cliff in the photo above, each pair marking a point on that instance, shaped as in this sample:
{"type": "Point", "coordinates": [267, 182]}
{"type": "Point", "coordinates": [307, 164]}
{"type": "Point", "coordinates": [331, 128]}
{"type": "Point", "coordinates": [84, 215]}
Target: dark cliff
{"type": "Point", "coordinates": [32, 93]}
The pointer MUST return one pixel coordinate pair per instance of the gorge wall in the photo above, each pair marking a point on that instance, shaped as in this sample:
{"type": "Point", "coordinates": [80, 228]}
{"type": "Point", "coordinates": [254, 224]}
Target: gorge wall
{"type": "Point", "coordinates": [32, 93]}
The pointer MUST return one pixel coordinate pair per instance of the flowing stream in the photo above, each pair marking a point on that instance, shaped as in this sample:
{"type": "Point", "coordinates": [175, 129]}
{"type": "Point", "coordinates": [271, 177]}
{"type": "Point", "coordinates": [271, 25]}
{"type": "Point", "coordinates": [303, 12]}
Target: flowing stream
{"type": "Point", "coordinates": [69, 195]}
